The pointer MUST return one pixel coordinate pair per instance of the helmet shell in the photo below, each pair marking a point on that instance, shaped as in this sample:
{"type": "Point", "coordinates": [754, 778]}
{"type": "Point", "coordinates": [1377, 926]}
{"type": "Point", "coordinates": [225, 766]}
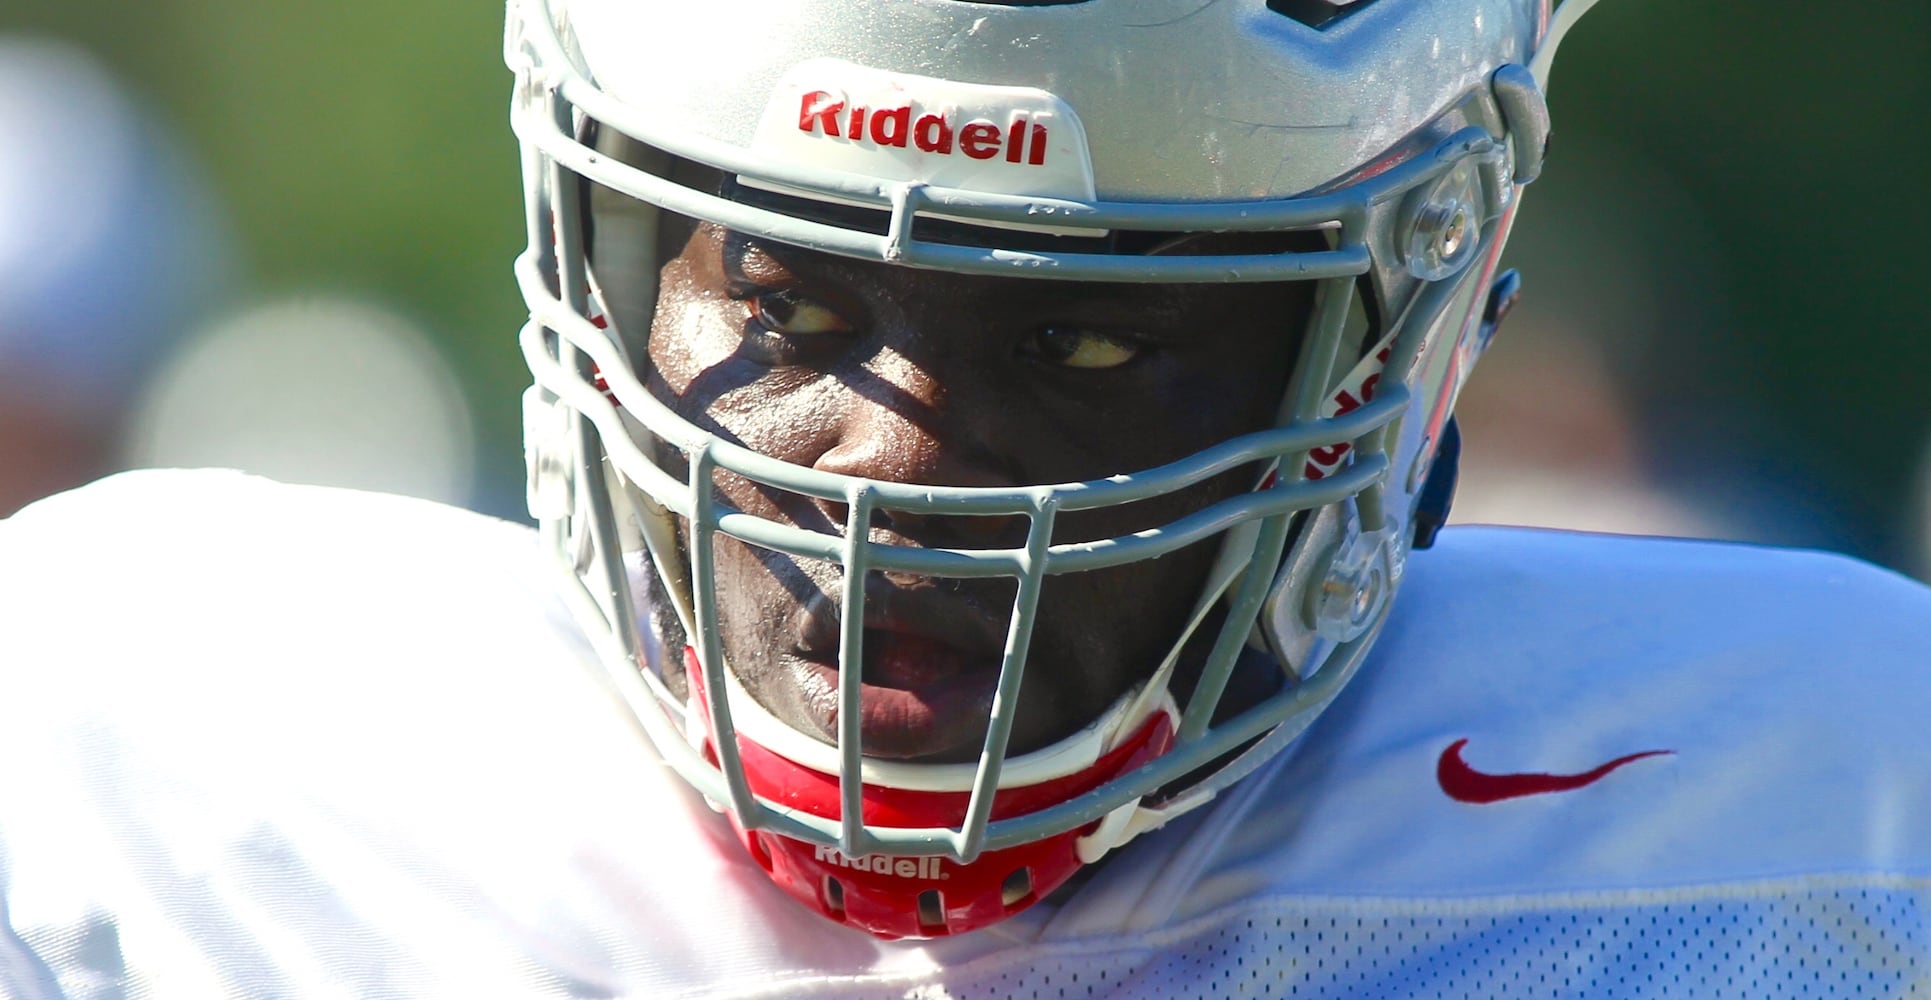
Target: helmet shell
{"type": "Point", "coordinates": [1180, 100]}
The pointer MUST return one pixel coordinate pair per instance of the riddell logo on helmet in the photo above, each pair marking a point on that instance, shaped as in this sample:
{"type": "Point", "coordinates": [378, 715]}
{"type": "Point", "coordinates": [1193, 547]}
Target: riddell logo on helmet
{"type": "Point", "coordinates": [906, 126]}
{"type": "Point", "coordinates": [925, 868]}
{"type": "Point", "coordinates": [981, 139]}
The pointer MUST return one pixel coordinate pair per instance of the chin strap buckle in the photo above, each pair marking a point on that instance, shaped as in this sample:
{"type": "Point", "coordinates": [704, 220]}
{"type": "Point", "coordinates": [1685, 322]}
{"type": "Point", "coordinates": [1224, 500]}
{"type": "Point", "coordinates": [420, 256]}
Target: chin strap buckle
{"type": "Point", "coordinates": [1120, 826]}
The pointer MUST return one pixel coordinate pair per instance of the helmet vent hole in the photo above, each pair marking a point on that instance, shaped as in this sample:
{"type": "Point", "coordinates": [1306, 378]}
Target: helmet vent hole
{"type": "Point", "coordinates": [834, 898]}
{"type": "Point", "coordinates": [1017, 889]}
{"type": "Point", "coordinates": [1316, 14]}
{"type": "Point", "coordinates": [931, 912]}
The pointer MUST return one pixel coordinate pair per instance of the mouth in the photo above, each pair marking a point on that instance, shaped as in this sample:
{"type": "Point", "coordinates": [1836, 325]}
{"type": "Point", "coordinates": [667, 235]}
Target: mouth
{"type": "Point", "coordinates": [930, 668]}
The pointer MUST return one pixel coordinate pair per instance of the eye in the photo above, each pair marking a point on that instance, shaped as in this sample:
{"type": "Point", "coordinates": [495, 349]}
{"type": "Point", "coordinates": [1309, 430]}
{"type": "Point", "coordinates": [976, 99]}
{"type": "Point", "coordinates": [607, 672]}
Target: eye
{"type": "Point", "coordinates": [1071, 347]}
{"type": "Point", "coordinates": [787, 312]}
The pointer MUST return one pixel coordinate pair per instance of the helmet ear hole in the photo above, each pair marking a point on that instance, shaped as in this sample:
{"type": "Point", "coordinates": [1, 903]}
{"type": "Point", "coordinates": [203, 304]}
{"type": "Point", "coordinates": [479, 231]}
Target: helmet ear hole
{"type": "Point", "coordinates": [834, 892]}
{"type": "Point", "coordinates": [1017, 889]}
{"type": "Point", "coordinates": [931, 912]}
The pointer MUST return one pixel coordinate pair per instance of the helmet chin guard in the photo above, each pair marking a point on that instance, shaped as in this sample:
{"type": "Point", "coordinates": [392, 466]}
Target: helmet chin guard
{"type": "Point", "coordinates": [852, 134]}
{"type": "Point", "coordinates": [899, 896]}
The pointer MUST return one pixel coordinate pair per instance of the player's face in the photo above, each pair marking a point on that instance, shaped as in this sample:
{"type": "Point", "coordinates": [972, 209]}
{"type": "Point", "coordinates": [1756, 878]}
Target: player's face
{"type": "Point", "coordinates": [874, 370]}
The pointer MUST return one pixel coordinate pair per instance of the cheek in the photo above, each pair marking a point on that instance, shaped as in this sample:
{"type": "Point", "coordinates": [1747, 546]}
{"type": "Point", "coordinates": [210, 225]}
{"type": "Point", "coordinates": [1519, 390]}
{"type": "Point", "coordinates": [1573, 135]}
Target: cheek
{"type": "Point", "coordinates": [1130, 615]}
{"type": "Point", "coordinates": [686, 335]}
{"type": "Point", "coordinates": [1100, 633]}
{"type": "Point", "coordinates": [1178, 406]}
{"type": "Point", "coordinates": [759, 595]}
{"type": "Point", "coordinates": [1223, 395]}
{"type": "Point", "coordinates": [1231, 382]}
{"type": "Point", "coordinates": [699, 371]}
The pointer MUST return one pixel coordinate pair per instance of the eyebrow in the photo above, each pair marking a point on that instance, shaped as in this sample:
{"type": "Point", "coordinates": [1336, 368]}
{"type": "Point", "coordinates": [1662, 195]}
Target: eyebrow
{"type": "Point", "coordinates": [746, 258]}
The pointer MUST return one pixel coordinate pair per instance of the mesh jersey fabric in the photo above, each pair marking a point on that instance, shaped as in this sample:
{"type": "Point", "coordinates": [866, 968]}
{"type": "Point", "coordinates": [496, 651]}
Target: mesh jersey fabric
{"type": "Point", "coordinates": [261, 740]}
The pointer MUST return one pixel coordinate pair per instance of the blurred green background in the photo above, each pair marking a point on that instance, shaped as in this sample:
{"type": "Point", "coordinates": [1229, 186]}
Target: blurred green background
{"type": "Point", "coordinates": [1733, 231]}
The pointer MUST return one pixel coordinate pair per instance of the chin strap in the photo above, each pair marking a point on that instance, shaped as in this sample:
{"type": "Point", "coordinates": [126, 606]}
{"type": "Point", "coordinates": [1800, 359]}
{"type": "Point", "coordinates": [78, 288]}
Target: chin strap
{"type": "Point", "coordinates": [1565, 18]}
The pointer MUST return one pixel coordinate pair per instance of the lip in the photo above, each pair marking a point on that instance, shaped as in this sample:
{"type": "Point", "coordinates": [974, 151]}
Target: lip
{"type": "Point", "coordinates": [931, 666]}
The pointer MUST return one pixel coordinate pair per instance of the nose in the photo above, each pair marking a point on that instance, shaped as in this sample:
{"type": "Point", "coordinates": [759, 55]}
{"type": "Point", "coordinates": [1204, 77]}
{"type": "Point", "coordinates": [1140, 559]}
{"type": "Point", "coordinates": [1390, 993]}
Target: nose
{"type": "Point", "coordinates": [896, 423]}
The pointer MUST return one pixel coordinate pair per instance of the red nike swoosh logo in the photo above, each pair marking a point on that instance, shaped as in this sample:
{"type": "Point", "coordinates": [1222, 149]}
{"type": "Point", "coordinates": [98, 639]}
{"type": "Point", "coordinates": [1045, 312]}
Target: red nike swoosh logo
{"type": "Point", "coordinates": [1465, 784]}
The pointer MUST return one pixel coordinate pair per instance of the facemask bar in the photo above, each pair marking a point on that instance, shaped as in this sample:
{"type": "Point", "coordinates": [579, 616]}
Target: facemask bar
{"type": "Point", "coordinates": [1030, 565]}
{"type": "Point", "coordinates": [565, 352]}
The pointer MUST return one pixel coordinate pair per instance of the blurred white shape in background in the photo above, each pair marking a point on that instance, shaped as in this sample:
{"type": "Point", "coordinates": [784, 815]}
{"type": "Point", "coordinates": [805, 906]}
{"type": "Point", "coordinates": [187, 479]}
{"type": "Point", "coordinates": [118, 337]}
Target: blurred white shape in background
{"type": "Point", "coordinates": [98, 230]}
{"type": "Point", "coordinates": [329, 391]}
{"type": "Point", "coordinates": [111, 247]}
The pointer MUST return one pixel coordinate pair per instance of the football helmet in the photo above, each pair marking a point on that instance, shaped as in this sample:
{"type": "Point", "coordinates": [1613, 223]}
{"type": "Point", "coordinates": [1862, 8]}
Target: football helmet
{"type": "Point", "coordinates": [1017, 139]}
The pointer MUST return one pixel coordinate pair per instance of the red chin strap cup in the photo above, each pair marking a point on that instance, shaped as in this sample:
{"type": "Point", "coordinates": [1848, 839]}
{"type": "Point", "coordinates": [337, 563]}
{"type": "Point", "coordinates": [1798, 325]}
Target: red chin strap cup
{"type": "Point", "coordinates": [892, 896]}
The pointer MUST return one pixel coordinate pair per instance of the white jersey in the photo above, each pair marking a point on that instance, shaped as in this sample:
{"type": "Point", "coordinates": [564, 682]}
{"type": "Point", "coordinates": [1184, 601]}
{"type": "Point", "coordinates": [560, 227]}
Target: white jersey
{"type": "Point", "coordinates": [262, 741]}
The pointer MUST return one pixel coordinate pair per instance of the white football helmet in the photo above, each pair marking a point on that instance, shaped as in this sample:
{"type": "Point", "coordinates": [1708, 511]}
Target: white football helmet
{"type": "Point", "coordinates": [1014, 139]}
